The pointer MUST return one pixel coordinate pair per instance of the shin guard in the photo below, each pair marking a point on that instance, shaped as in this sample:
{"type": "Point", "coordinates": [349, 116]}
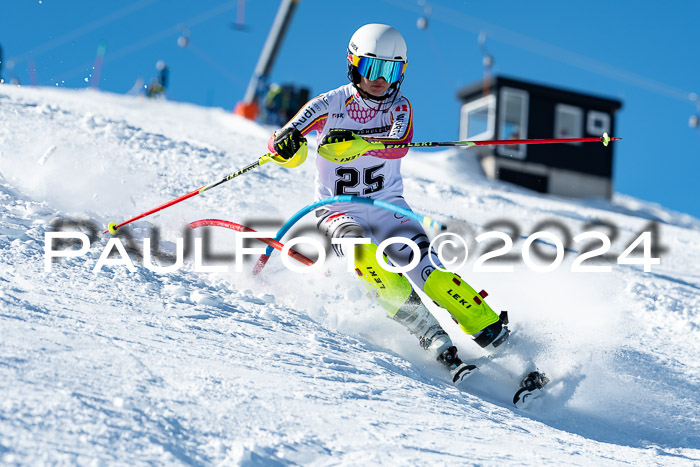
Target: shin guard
{"type": "Point", "coordinates": [466, 306]}
{"type": "Point", "coordinates": [400, 302]}
{"type": "Point", "coordinates": [392, 289]}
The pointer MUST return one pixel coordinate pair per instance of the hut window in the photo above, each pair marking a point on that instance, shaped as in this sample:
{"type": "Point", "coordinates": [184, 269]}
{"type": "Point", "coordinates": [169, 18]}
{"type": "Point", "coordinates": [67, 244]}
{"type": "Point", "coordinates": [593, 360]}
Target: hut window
{"type": "Point", "coordinates": [513, 121]}
{"type": "Point", "coordinates": [478, 118]}
{"type": "Point", "coordinates": [597, 123]}
{"type": "Point", "coordinates": [568, 121]}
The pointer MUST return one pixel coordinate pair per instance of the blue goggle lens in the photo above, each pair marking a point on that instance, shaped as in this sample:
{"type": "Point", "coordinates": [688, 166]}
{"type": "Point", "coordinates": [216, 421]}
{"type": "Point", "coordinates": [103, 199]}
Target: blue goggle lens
{"type": "Point", "coordinates": [375, 68]}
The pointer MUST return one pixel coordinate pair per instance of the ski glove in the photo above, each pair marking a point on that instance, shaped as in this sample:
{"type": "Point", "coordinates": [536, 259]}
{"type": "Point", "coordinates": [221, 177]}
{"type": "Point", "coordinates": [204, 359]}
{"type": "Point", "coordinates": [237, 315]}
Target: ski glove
{"type": "Point", "coordinates": [344, 146]}
{"type": "Point", "coordinates": [288, 142]}
{"type": "Point", "coordinates": [338, 135]}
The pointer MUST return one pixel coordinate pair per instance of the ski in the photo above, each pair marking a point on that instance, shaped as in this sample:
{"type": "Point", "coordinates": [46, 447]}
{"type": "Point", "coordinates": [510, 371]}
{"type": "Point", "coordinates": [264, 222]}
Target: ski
{"type": "Point", "coordinates": [462, 372]}
{"type": "Point", "coordinates": [531, 387]}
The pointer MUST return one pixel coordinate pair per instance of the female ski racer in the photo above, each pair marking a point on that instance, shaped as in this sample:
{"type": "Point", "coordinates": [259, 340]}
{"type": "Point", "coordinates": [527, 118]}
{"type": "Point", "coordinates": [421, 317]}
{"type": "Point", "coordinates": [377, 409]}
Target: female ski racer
{"type": "Point", "coordinates": [350, 120]}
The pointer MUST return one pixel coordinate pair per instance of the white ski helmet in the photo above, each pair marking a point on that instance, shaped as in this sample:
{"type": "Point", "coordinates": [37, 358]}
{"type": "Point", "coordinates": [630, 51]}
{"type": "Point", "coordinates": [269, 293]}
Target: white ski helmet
{"type": "Point", "coordinates": [377, 50]}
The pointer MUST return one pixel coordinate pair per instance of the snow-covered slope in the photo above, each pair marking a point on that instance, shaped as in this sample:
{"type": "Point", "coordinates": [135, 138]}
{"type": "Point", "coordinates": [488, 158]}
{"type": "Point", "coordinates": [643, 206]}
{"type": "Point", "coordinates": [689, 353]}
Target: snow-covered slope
{"type": "Point", "coordinates": [287, 368]}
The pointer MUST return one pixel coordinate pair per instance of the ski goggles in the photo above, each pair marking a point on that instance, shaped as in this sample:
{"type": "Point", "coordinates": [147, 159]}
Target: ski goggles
{"type": "Point", "coordinates": [375, 68]}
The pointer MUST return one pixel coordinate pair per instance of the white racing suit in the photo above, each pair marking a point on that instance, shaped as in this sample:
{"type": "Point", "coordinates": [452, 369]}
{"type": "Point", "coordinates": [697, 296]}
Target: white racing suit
{"type": "Point", "coordinates": [377, 175]}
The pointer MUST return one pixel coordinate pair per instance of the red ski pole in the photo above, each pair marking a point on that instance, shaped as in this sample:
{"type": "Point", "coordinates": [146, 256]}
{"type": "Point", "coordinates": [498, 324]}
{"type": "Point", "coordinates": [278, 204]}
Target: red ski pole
{"type": "Point", "coordinates": [605, 139]}
{"type": "Point", "coordinates": [113, 227]}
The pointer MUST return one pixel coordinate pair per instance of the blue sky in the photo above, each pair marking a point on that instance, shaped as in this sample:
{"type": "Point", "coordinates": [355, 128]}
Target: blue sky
{"type": "Point", "coordinates": [637, 52]}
